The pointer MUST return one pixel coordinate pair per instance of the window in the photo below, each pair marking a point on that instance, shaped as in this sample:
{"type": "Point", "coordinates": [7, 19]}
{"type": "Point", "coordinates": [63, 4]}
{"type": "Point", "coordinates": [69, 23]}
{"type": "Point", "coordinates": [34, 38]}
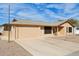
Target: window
{"type": "Point", "coordinates": [69, 29]}
{"type": "Point", "coordinates": [7, 28]}
{"type": "Point", "coordinates": [47, 30]}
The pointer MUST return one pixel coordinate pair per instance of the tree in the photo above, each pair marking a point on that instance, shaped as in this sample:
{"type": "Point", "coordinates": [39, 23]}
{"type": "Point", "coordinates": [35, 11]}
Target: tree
{"type": "Point", "coordinates": [74, 21]}
{"type": "Point", "coordinates": [14, 20]}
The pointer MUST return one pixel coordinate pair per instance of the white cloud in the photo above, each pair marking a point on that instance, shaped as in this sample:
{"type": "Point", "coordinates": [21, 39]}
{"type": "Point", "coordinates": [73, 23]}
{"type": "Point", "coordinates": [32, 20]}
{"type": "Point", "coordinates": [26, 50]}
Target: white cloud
{"type": "Point", "coordinates": [29, 12]}
{"type": "Point", "coordinates": [58, 6]}
{"type": "Point", "coordinates": [74, 15]}
{"type": "Point", "coordinates": [48, 14]}
{"type": "Point", "coordinates": [52, 14]}
{"type": "Point", "coordinates": [30, 15]}
{"type": "Point", "coordinates": [68, 7]}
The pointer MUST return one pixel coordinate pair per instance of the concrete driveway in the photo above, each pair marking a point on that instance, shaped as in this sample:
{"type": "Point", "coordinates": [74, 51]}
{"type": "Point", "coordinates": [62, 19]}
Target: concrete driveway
{"type": "Point", "coordinates": [48, 47]}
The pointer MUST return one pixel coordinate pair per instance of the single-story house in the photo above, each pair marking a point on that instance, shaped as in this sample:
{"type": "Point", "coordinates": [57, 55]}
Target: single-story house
{"type": "Point", "coordinates": [20, 29]}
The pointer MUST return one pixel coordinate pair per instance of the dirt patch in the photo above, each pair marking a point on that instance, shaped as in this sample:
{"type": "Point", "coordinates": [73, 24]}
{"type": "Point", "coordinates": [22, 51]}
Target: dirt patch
{"type": "Point", "coordinates": [72, 39]}
{"type": "Point", "coordinates": [68, 38]}
{"type": "Point", "coordinates": [12, 49]}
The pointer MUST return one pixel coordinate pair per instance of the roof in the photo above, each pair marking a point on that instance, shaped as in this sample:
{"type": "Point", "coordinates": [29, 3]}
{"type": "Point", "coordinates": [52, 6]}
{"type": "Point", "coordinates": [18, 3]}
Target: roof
{"type": "Point", "coordinates": [56, 23]}
{"type": "Point", "coordinates": [31, 22]}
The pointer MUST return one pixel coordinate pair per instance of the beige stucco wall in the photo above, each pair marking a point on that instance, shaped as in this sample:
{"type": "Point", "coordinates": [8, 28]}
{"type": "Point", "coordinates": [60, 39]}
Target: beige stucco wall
{"type": "Point", "coordinates": [24, 32]}
{"type": "Point", "coordinates": [20, 32]}
{"type": "Point", "coordinates": [63, 32]}
{"type": "Point", "coordinates": [12, 34]}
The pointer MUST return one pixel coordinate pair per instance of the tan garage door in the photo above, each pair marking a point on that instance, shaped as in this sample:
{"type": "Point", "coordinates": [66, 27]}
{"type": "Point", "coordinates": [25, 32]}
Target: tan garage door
{"type": "Point", "coordinates": [28, 32]}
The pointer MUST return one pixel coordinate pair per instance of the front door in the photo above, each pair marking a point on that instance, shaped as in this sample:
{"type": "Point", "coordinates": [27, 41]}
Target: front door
{"type": "Point", "coordinates": [55, 30]}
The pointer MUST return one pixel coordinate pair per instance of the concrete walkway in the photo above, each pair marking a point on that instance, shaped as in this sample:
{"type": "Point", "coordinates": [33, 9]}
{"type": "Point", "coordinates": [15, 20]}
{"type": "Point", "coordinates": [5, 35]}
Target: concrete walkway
{"type": "Point", "coordinates": [48, 47]}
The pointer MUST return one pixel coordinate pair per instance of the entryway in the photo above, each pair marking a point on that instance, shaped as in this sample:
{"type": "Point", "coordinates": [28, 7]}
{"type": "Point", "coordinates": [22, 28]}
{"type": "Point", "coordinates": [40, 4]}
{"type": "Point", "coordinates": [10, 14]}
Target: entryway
{"type": "Point", "coordinates": [55, 30]}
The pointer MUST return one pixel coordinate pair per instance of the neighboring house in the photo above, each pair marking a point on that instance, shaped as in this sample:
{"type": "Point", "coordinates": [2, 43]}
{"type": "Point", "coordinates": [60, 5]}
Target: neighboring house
{"type": "Point", "coordinates": [22, 29]}
{"type": "Point", "coordinates": [76, 29]}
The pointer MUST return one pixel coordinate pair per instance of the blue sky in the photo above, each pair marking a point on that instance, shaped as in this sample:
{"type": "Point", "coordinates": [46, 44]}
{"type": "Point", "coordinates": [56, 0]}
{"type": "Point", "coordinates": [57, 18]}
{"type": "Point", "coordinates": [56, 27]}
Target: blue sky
{"type": "Point", "coordinates": [39, 11]}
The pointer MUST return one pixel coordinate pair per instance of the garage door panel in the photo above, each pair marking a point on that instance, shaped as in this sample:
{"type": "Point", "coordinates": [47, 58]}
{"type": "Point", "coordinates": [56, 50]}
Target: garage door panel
{"type": "Point", "coordinates": [29, 32]}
